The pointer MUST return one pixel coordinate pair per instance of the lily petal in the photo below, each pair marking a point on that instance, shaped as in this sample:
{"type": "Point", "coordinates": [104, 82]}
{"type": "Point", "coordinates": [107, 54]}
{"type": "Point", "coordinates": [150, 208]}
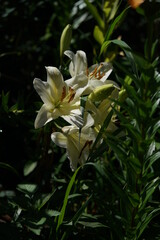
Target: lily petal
{"type": "Point", "coordinates": [43, 117]}
{"type": "Point", "coordinates": [54, 77]}
{"type": "Point", "coordinates": [59, 139]}
{"type": "Point", "coordinates": [76, 120]}
{"type": "Point", "coordinates": [42, 89]}
{"type": "Point", "coordinates": [78, 63]}
{"type": "Point", "coordinates": [72, 153]}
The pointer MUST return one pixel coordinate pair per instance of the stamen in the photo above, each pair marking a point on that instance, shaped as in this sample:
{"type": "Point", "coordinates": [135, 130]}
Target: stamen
{"type": "Point", "coordinates": [71, 97]}
{"type": "Point", "coordinates": [87, 72]}
{"type": "Point", "coordinates": [100, 75]}
{"type": "Point", "coordinates": [71, 94]}
{"type": "Point", "coordinates": [94, 72]}
{"type": "Point", "coordinates": [63, 93]}
{"type": "Point", "coordinates": [97, 72]}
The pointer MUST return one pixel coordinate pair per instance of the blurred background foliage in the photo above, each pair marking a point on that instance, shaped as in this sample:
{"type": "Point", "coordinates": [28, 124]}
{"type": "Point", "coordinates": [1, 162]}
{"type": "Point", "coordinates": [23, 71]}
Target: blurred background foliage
{"type": "Point", "coordinates": [29, 163]}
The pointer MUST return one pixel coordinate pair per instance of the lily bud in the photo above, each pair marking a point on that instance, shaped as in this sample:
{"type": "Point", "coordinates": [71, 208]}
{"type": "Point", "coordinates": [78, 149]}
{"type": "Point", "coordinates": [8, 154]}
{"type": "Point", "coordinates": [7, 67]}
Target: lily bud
{"type": "Point", "coordinates": [101, 92]}
{"type": "Point", "coordinates": [65, 39]}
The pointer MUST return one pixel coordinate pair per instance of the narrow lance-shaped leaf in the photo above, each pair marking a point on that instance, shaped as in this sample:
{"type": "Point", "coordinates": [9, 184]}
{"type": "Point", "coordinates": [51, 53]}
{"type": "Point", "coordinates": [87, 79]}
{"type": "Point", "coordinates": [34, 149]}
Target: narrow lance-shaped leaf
{"type": "Point", "coordinates": [9, 167]}
{"type": "Point", "coordinates": [148, 191]}
{"type": "Point", "coordinates": [61, 216]}
{"type": "Point", "coordinates": [147, 218]}
{"type": "Point", "coordinates": [126, 49]}
{"type": "Point", "coordinates": [115, 23]}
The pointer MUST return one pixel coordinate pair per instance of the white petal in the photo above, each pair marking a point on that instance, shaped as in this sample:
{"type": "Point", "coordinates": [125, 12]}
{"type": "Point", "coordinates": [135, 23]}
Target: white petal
{"type": "Point", "coordinates": [89, 121]}
{"type": "Point", "coordinates": [69, 54]}
{"type": "Point", "coordinates": [43, 117]}
{"type": "Point", "coordinates": [56, 82]}
{"type": "Point", "coordinates": [73, 154]}
{"type": "Point", "coordinates": [107, 69]}
{"type": "Point", "coordinates": [76, 120]}
{"type": "Point", "coordinates": [78, 62]}
{"type": "Point", "coordinates": [59, 139]}
{"type": "Point", "coordinates": [42, 89]}
{"type": "Point", "coordinates": [78, 81]}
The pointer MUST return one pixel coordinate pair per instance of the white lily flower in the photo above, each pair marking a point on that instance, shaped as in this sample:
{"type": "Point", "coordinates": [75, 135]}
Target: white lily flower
{"type": "Point", "coordinates": [84, 79]}
{"type": "Point", "coordinates": [59, 99]}
{"type": "Point", "coordinates": [77, 143]}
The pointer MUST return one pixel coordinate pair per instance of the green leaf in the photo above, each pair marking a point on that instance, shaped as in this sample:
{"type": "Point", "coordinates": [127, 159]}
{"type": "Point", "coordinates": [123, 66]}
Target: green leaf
{"type": "Point", "coordinates": [81, 210]}
{"type": "Point", "coordinates": [128, 51]}
{"type": "Point", "coordinates": [151, 149]}
{"type": "Point", "coordinates": [153, 128]}
{"type": "Point", "coordinates": [135, 164]}
{"type": "Point", "coordinates": [9, 168]}
{"type": "Point", "coordinates": [115, 24]}
{"type": "Point", "coordinates": [92, 224]}
{"type": "Point", "coordinates": [148, 191]}
{"type": "Point", "coordinates": [149, 162]}
{"type": "Point", "coordinates": [63, 209]}
{"type": "Point", "coordinates": [52, 213]}
{"type": "Point", "coordinates": [119, 151]}
{"type": "Point", "coordinates": [35, 230]}
{"type": "Point", "coordinates": [146, 220]}
{"type": "Point", "coordinates": [134, 199]}
{"type": "Point", "coordinates": [45, 200]}
{"type": "Point", "coordinates": [29, 167]}
{"type": "Point", "coordinates": [29, 189]}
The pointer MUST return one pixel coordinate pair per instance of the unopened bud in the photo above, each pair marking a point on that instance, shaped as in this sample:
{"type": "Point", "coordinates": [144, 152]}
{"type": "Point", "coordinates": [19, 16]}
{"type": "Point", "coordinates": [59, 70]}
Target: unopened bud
{"type": "Point", "coordinates": [65, 39]}
{"type": "Point", "coordinates": [101, 92]}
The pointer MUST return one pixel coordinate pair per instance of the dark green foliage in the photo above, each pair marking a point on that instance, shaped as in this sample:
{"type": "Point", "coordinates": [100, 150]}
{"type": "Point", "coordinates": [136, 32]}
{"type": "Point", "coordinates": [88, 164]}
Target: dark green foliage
{"type": "Point", "coordinates": [115, 195]}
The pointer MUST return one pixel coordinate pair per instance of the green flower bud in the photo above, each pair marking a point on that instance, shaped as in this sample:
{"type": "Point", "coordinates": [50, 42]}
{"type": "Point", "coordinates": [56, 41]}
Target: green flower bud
{"type": "Point", "coordinates": [101, 92]}
{"type": "Point", "coordinates": [65, 39]}
{"type": "Point", "coordinates": [122, 95]}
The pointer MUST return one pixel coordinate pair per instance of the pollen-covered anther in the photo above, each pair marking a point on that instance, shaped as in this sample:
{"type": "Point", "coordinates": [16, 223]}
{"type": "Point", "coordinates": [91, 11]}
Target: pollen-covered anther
{"type": "Point", "coordinates": [97, 72]}
{"type": "Point", "coordinates": [93, 73]}
{"type": "Point", "coordinates": [100, 74]}
{"type": "Point", "coordinates": [63, 93]}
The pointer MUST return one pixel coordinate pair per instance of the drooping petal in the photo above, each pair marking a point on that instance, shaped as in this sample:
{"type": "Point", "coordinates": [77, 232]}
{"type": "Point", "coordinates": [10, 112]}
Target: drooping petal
{"type": "Point", "coordinates": [59, 139]}
{"type": "Point", "coordinates": [44, 116]}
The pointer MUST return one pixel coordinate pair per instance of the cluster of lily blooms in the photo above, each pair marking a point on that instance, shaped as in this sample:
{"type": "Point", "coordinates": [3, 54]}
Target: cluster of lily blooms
{"type": "Point", "coordinates": [63, 99]}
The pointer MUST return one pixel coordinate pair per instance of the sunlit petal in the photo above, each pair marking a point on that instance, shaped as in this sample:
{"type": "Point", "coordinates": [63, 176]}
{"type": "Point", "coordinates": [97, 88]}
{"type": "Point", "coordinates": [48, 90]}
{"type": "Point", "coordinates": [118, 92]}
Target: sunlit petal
{"type": "Point", "coordinates": [78, 62]}
{"type": "Point", "coordinates": [42, 89]}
